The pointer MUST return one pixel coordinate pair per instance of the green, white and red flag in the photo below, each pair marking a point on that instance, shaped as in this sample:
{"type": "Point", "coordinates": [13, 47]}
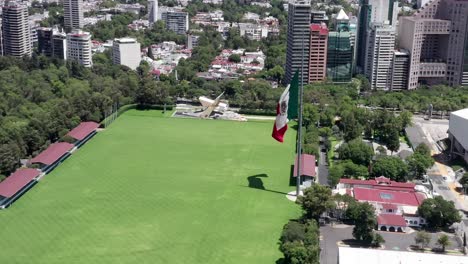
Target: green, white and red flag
{"type": "Point", "coordinates": [286, 109]}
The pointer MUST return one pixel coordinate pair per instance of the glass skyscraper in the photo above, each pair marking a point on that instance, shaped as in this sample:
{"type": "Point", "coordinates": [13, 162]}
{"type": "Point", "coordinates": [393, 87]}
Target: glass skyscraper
{"type": "Point", "coordinates": [339, 57]}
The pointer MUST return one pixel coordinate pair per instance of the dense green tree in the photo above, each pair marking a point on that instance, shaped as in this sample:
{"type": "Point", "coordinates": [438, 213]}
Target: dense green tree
{"type": "Point", "coordinates": [423, 239]}
{"type": "Point", "coordinates": [315, 201]}
{"type": "Point", "coordinates": [335, 173]}
{"type": "Point", "coordinates": [418, 164]}
{"type": "Point", "coordinates": [406, 119]}
{"type": "Point", "coordinates": [438, 212]}
{"type": "Point", "coordinates": [310, 115]}
{"type": "Point", "coordinates": [377, 240]}
{"type": "Point", "coordinates": [364, 82]}
{"type": "Point", "coordinates": [393, 141]}
{"type": "Point", "coordinates": [10, 155]}
{"type": "Point", "coordinates": [390, 167]}
{"type": "Point", "coordinates": [299, 243]}
{"type": "Point", "coordinates": [423, 149]}
{"type": "Point", "coordinates": [357, 151]}
{"type": "Point", "coordinates": [342, 203]}
{"type": "Point", "coordinates": [363, 216]}
{"type": "Point", "coordinates": [352, 129]}
{"type": "Point", "coordinates": [420, 160]}
{"type": "Point", "coordinates": [235, 58]}
{"type": "Point", "coordinates": [443, 241]}
{"type": "Point", "coordinates": [352, 170]}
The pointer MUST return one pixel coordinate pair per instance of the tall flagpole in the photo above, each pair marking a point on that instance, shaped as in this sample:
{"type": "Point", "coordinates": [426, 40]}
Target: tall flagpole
{"type": "Point", "coordinates": [299, 129]}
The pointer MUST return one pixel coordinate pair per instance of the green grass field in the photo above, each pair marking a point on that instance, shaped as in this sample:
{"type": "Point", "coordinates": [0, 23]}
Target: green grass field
{"type": "Point", "coordinates": [158, 190]}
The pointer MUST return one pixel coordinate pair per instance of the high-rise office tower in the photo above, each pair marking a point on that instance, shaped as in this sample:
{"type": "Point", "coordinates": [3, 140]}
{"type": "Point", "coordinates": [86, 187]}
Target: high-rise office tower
{"type": "Point", "coordinates": [379, 56]}
{"type": "Point", "coordinates": [400, 68]}
{"type": "Point", "coordinates": [44, 41]}
{"type": "Point", "coordinates": [318, 52]}
{"type": "Point", "coordinates": [1, 39]}
{"type": "Point", "coordinates": [298, 40]}
{"type": "Point", "coordinates": [436, 38]}
{"type": "Point", "coordinates": [73, 14]}
{"type": "Point", "coordinates": [15, 30]}
{"type": "Point", "coordinates": [126, 51]}
{"type": "Point", "coordinates": [318, 17]}
{"type": "Point", "coordinates": [152, 11]}
{"type": "Point", "coordinates": [176, 21]}
{"type": "Point", "coordinates": [79, 47]}
{"type": "Point", "coordinates": [373, 12]}
{"type": "Point", "coordinates": [59, 45]}
{"type": "Point", "coordinates": [339, 57]}
{"type": "Point", "coordinates": [341, 19]}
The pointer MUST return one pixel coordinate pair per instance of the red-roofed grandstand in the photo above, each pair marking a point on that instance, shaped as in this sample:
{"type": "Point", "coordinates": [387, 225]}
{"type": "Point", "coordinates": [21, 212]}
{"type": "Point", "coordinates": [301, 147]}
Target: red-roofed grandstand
{"type": "Point", "coordinates": [53, 155]}
{"type": "Point", "coordinates": [16, 185]}
{"type": "Point", "coordinates": [83, 132]}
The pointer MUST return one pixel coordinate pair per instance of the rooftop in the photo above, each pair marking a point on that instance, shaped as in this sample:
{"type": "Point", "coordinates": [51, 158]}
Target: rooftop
{"type": "Point", "coordinates": [391, 219]}
{"type": "Point", "coordinates": [125, 40]}
{"type": "Point", "coordinates": [350, 255]}
{"type": "Point", "coordinates": [387, 196]}
{"type": "Point", "coordinates": [382, 183]}
{"type": "Point", "coordinates": [342, 15]}
{"type": "Point", "coordinates": [307, 165]}
{"type": "Point", "coordinates": [463, 113]}
{"type": "Point", "coordinates": [16, 181]}
{"type": "Point", "coordinates": [83, 130]}
{"type": "Point", "coordinates": [53, 153]}
{"type": "Point", "coordinates": [458, 125]}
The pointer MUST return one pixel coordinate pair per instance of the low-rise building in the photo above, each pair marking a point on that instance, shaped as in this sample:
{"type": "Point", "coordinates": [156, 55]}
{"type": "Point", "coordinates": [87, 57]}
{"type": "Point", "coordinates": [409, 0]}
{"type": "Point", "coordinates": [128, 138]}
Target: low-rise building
{"type": "Point", "coordinates": [166, 56]}
{"type": "Point", "coordinates": [126, 51]}
{"type": "Point", "coordinates": [395, 203]}
{"type": "Point", "coordinates": [222, 67]}
{"type": "Point", "coordinates": [458, 133]}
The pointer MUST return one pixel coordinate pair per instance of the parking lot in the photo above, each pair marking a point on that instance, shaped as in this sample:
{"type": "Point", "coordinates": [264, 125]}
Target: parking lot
{"type": "Point", "coordinates": [331, 235]}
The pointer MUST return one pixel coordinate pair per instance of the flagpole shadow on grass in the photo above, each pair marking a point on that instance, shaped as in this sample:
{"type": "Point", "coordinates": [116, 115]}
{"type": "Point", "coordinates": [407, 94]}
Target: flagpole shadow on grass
{"type": "Point", "coordinates": [255, 182]}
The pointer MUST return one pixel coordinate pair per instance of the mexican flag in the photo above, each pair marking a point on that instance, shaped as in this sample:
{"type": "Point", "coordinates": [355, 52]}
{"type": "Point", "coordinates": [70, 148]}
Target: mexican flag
{"type": "Point", "coordinates": [286, 109]}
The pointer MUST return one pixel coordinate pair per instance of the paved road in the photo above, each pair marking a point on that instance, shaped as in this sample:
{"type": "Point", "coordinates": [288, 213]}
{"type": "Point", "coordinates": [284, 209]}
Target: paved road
{"type": "Point", "coordinates": [323, 168]}
{"type": "Point", "coordinates": [329, 237]}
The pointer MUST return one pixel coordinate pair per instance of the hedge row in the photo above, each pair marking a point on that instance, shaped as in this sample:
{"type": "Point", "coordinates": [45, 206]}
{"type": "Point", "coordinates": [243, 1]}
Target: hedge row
{"type": "Point", "coordinates": [261, 112]}
{"type": "Point", "coordinates": [155, 107]}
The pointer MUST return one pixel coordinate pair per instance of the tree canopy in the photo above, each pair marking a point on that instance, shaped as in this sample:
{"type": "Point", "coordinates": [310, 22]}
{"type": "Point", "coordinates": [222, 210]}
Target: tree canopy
{"type": "Point", "coordinates": [390, 167]}
{"type": "Point", "coordinates": [357, 151]}
{"type": "Point", "coordinates": [439, 213]}
{"type": "Point", "coordinates": [315, 201]}
{"type": "Point", "coordinates": [363, 216]}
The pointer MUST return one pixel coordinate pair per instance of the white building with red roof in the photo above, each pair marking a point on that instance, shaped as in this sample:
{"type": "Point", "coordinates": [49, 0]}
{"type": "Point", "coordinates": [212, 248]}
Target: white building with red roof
{"type": "Point", "coordinates": [395, 203]}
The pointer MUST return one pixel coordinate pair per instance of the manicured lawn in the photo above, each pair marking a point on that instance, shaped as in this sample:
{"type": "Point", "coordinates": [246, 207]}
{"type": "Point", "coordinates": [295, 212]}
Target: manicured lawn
{"type": "Point", "coordinates": [152, 189]}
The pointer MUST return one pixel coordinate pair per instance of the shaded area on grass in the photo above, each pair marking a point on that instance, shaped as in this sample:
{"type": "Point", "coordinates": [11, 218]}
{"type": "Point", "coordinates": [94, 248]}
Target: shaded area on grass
{"type": "Point", "coordinates": [256, 182]}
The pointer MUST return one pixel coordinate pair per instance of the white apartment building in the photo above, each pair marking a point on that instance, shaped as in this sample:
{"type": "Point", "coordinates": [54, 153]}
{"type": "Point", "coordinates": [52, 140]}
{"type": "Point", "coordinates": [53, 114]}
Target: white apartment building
{"type": "Point", "coordinates": [253, 31]}
{"type": "Point", "coordinates": [73, 14]}
{"type": "Point", "coordinates": [379, 56]}
{"type": "Point", "coordinates": [79, 47]}
{"type": "Point", "coordinates": [15, 30]}
{"type": "Point", "coordinates": [126, 51]}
